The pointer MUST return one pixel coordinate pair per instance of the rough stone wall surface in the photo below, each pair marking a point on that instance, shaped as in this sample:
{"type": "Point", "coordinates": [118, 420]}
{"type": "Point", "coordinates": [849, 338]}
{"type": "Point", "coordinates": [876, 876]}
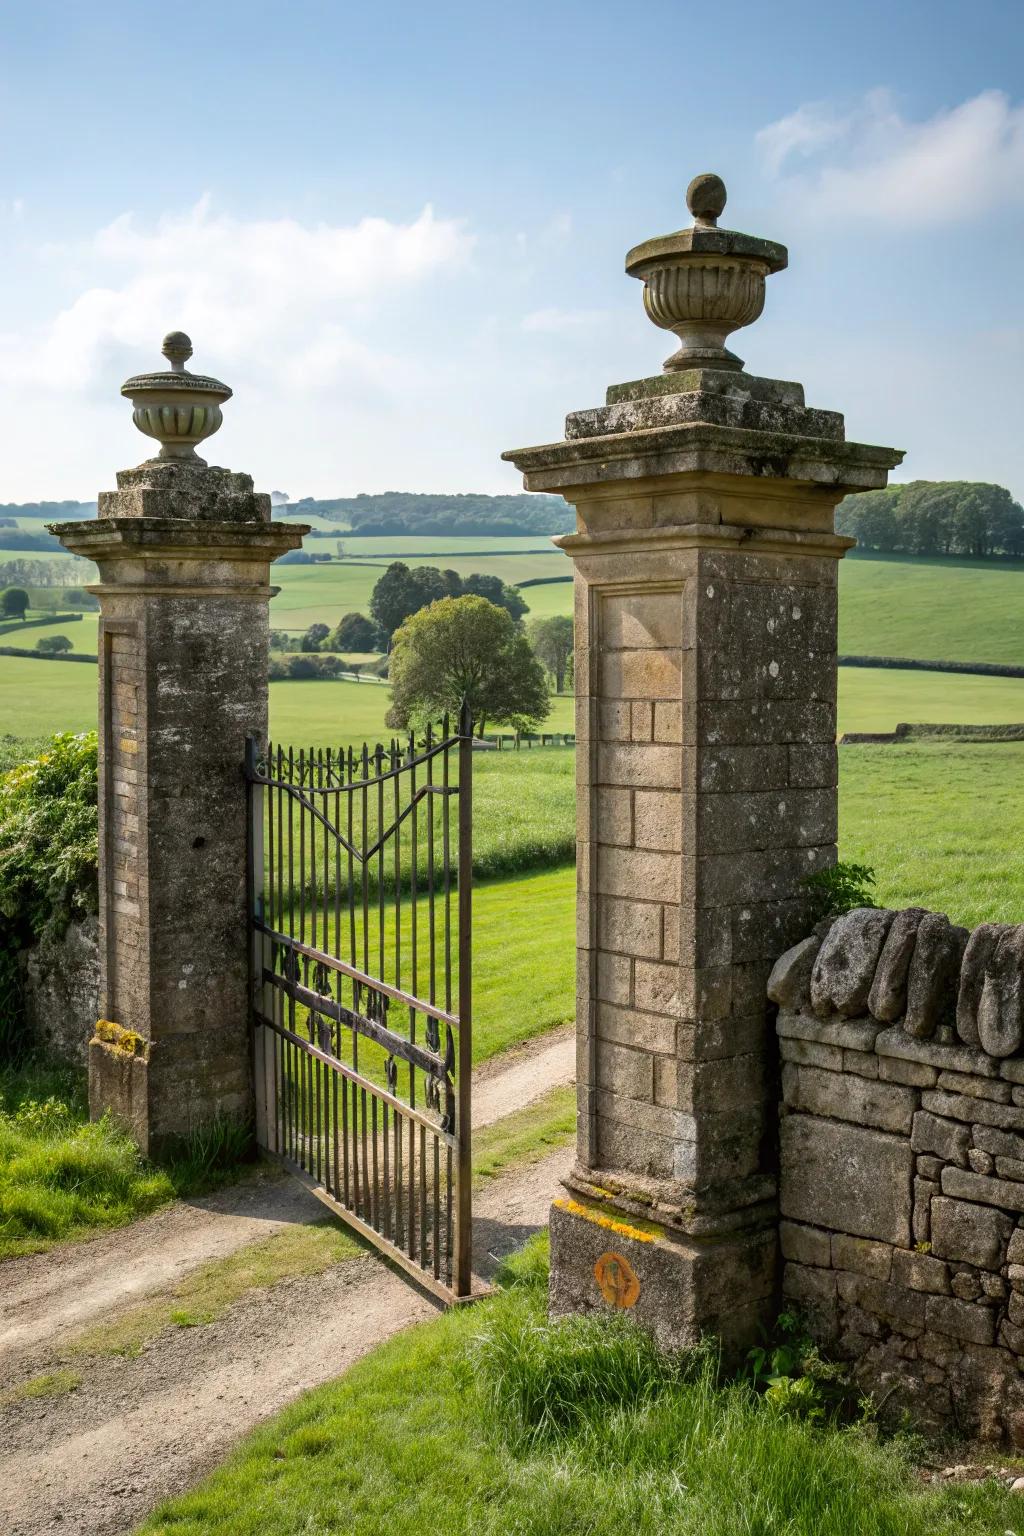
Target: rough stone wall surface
{"type": "Point", "coordinates": [902, 1160]}
{"type": "Point", "coordinates": [713, 774]}
{"type": "Point", "coordinates": [184, 554]}
{"type": "Point", "coordinates": [62, 981]}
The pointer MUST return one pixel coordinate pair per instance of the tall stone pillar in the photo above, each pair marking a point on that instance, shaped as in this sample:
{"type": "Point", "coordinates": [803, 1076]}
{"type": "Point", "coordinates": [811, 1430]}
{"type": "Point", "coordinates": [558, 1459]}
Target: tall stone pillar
{"type": "Point", "coordinates": [705, 597]}
{"type": "Point", "coordinates": [184, 554]}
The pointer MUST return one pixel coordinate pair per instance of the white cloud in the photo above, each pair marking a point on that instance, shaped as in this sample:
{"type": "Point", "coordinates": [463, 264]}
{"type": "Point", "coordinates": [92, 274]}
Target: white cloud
{"type": "Point", "coordinates": [272, 293]}
{"type": "Point", "coordinates": [872, 162]}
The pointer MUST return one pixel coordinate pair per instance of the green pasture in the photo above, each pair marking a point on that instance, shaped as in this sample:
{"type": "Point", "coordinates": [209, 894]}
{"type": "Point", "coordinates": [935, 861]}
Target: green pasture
{"type": "Point", "coordinates": [926, 609]}
{"type": "Point", "coordinates": [933, 610]}
{"type": "Point", "coordinates": [873, 699]}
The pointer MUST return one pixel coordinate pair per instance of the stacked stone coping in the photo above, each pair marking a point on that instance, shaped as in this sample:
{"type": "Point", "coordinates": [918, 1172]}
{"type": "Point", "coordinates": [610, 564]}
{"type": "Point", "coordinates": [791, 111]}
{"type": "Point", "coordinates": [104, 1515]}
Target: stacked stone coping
{"type": "Point", "coordinates": [902, 1159]}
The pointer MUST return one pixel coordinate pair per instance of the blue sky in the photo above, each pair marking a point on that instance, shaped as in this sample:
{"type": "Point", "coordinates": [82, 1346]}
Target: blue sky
{"type": "Point", "coordinates": [397, 230]}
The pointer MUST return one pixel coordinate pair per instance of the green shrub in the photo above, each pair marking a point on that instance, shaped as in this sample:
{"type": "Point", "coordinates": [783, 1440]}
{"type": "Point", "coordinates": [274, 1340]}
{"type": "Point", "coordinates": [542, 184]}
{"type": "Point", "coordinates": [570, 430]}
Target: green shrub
{"type": "Point", "coordinates": [839, 889]}
{"type": "Point", "coordinates": [48, 858]}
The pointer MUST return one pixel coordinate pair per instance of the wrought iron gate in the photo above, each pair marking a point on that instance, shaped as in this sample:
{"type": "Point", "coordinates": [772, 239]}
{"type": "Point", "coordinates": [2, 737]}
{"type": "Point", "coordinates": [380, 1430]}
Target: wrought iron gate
{"type": "Point", "coordinates": [362, 928]}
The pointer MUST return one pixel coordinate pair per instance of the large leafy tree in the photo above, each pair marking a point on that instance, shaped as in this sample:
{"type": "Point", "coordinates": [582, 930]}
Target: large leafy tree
{"type": "Point", "coordinates": [354, 632]}
{"type": "Point", "coordinates": [14, 603]}
{"type": "Point", "coordinates": [465, 648]}
{"type": "Point", "coordinates": [552, 639]}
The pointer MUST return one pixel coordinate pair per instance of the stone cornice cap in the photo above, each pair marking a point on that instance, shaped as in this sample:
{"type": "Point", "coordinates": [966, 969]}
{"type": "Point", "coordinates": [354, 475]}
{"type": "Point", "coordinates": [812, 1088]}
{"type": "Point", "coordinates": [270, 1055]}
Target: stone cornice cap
{"type": "Point", "coordinates": [702, 283]}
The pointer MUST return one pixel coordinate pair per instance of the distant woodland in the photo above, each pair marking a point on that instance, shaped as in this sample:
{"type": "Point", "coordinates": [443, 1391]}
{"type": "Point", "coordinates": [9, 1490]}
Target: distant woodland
{"type": "Point", "coordinates": [406, 512]}
{"type": "Point", "coordinates": [936, 517]}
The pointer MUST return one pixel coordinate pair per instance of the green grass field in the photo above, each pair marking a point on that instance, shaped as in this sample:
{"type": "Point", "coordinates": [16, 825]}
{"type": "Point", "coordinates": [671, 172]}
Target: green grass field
{"type": "Point", "coordinates": [37, 698]}
{"type": "Point", "coordinates": [495, 1421]}
{"type": "Point", "coordinates": [952, 610]}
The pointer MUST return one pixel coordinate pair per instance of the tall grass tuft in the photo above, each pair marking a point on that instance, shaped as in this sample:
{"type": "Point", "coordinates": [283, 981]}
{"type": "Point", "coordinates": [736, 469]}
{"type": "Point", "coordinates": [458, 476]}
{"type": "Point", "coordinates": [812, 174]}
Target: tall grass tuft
{"type": "Point", "coordinates": [59, 1174]}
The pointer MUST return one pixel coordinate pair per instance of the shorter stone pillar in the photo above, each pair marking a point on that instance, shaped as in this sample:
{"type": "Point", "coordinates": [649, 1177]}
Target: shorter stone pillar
{"type": "Point", "coordinates": [184, 554]}
{"type": "Point", "coordinates": [705, 562]}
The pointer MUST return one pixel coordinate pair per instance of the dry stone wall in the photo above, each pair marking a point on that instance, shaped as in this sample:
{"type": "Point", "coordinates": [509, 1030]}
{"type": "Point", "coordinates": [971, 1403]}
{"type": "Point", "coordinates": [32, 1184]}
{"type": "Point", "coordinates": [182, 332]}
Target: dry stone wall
{"type": "Point", "coordinates": [902, 1159]}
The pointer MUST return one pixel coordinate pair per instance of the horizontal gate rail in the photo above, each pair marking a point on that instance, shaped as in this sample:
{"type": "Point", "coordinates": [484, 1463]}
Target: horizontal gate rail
{"type": "Point", "coordinates": [361, 866]}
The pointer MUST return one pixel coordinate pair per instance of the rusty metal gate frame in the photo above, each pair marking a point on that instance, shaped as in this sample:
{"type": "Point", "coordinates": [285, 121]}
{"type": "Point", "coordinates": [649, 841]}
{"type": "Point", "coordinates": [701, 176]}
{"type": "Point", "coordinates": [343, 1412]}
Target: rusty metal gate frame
{"type": "Point", "coordinates": [393, 1162]}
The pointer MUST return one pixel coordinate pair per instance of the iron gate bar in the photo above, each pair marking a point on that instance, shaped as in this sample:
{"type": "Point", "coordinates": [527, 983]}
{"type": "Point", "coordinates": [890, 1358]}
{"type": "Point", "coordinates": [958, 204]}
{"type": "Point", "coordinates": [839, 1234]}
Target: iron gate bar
{"type": "Point", "coordinates": [372, 1155]}
{"type": "Point", "coordinates": [394, 1044]}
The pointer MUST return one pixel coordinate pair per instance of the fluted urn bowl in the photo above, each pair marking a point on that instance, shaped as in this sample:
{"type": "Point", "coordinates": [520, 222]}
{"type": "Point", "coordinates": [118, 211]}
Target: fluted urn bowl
{"type": "Point", "coordinates": [177, 408]}
{"type": "Point", "coordinates": [703, 283]}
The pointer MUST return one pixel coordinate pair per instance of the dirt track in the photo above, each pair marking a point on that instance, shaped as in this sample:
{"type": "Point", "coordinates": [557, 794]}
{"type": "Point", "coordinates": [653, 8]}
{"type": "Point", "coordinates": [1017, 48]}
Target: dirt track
{"type": "Point", "coordinates": [97, 1460]}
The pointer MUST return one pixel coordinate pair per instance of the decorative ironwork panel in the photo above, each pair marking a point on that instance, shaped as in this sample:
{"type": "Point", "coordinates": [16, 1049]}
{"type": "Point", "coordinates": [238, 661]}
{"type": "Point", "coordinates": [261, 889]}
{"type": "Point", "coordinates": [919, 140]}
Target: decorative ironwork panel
{"type": "Point", "coordinates": [361, 869]}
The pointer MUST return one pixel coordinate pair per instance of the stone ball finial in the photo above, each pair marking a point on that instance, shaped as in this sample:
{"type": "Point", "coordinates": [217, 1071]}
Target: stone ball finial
{"type": "Point", "coordinates": [177, 348]}
{"type": "Point", "coordinates": [706, 198]}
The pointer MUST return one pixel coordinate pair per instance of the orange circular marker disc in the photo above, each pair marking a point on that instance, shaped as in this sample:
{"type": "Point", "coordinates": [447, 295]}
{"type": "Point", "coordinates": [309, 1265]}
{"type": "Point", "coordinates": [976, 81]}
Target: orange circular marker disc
{"type": "Point", "coordinates": [616, 1280]}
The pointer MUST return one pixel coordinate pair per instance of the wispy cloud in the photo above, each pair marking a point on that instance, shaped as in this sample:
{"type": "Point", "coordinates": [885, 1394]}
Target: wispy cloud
{"type": "Point", "coordinates": [270, 293]}
{"type": "Point", "coordinates": [871, 161]}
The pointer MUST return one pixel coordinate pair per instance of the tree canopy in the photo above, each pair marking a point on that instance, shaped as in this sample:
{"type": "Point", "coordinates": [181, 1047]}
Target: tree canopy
{"type": "Point", "coordinates": [14, 603]}
{"type": "Point", "coordinates": [936, 517]}
{"type": "Point", "coordinates": [402, 591]}
{"type": "Point", "coordinates": [552, 639]}
{"type": "Point", "coordinates": [354, 632]}
{"type": "Point", "coordinates": [465, 648]}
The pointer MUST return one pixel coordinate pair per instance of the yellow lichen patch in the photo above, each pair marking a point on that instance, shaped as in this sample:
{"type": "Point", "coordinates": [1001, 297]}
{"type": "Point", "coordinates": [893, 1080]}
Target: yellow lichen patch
{"type": "Point", "coordinates": [126, 1041]}
{"type": "Point", "coordinates": [648, 1233]}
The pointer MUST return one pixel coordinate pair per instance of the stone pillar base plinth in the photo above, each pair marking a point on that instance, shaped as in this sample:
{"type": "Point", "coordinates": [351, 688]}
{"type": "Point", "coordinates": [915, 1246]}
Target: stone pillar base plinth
{"type": "Point", "coordinates": [680, 1288]}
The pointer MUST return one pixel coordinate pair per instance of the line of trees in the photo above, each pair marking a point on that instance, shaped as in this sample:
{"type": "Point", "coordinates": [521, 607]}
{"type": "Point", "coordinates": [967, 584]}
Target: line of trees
{"type": "Point", "coordinates": [406, 512]}
{"type": "Point", "coordinates": [936, 517]}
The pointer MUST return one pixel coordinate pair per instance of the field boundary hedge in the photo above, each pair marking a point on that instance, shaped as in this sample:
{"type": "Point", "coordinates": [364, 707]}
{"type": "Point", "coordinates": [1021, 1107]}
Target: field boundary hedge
{"type": "Point", "coordinates": [912, 664]}
{"type": "Point", "coordinates": [542, 581]}
{"type": "Point", "coordinates": [14, 626]}
{"type": "Point", "coordinates": [925, 732]}
{"type": "Point", "coordinates": [18, 650]}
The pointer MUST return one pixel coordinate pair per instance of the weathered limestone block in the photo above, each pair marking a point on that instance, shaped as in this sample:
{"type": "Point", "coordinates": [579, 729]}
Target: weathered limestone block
{"type": "Point", "coordinates": [805, 1245]}
{"type": "Point", "coordinates": [979, 951]}
{"type": "Point", "coordinates": [887, 999]}
{"type": "Point", "coordinates": [935, 1053]}
{"type": "Point", "coordinates": [965, 1185]}
{"type": "Point", "coordinates": [849, 1034]}
{"type": "Point", "coordinates": [846, 1097]}
{"type": "Point", "coordinates": [934, 976]}
{"type": "Point", "coordinates": [968, 1233]}
{"type": "Point", "coordinates": [960, 1319]}
{"type": "Point", "coordinates": [957, 1106]}
{"type": "Point", "coordinates": [846, 1178]}
{"type": "Point", "coordinates": [789, 983]}
{"type": "Point", "coordinates": [948, 1139]}
{"type": "Point", "coordinates": [861, 1256]}
{"type": "Point", "coordinates": [1000, 1015]}
{"type": "Point", "coordinates": [920, 1272]}
{"type": "Point", "coordinates": [845, 967]}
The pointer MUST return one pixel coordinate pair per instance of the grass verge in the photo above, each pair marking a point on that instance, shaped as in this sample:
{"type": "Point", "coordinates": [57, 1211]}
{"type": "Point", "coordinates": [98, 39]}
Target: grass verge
{"type": "Point", "coordinates": [494, 1421]}
{"type": "Point", "coordinates": [526, 1136]}
{"type": "Point", "coordinates": [59, 1175]}
{"type": "Point", "coordinates": [53, 1384]}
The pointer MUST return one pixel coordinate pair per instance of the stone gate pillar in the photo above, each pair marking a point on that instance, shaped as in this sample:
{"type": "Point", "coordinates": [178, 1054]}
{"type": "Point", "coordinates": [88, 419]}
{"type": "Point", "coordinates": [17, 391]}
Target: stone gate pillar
{"type": "Point", "coordinates": [184, 554]}
{"type": "Point", "coordinates": [705, 578]}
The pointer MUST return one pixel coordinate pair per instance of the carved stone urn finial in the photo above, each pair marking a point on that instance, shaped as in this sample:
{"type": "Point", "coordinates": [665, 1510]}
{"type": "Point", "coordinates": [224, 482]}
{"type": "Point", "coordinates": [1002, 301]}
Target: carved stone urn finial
{"type": "Point", "coordinates": [178, 408]}
{"type": "Point", "coordinates": [702, 283]}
